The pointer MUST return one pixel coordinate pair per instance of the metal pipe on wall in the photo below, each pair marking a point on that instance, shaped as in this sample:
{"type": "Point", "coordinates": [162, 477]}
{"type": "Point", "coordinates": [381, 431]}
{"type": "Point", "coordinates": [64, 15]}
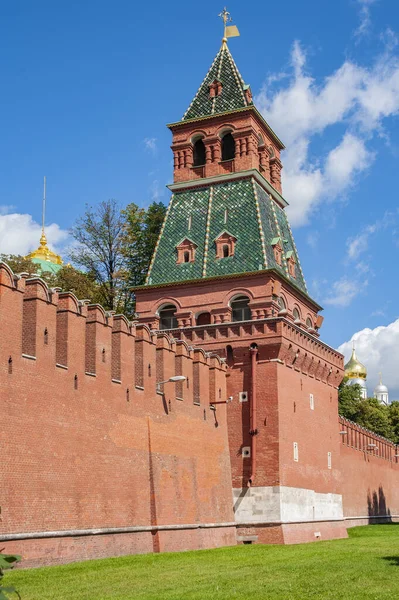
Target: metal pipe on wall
{"type": "Point", "coordinates": [253, 432]}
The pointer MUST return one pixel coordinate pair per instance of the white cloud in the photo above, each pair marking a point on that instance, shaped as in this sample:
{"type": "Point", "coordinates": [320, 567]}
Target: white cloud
{"type": "Point", "coordinates": [156, 190]}
{"type": "Point", "coordinates": [151, 145]}
{"type": "Point", "coordinates": [365, 17]}
{"type": "Point", "coordinates": [20, 234]}
{"type": "Point", "coordinates": [359, 243]}
{"type": "Point", "coordinates": [344, 290]}
{"type": "Point", "coordinates": [313, 239]}
{"type": "Point", "coordinates": [377, 349]}
{"type": "Point", "coordinates": [299, 108]}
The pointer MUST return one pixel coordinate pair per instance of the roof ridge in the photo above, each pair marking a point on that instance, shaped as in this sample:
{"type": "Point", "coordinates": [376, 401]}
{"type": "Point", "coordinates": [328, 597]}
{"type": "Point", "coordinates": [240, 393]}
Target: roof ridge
{"type": "Point", "coordinates": [218, 77]}
{"type": "Point", "coordinates": [202, 82]}
{"type": "Point", "coordinates": [237, 75]}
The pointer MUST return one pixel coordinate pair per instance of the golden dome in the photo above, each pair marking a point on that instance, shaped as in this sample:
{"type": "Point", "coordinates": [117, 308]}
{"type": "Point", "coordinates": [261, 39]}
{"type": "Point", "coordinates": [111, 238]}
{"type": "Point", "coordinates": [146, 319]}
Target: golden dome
{"type": "Point", "coordinates": [43, 252]}
{"type": "Point", "coordinates": [354, 368]}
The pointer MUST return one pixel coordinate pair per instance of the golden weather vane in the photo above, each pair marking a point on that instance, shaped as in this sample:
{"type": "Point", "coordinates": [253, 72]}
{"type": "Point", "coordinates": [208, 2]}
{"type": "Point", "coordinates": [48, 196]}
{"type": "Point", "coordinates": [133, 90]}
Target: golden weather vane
{"type": "Point", "coordinates": [228, 30]}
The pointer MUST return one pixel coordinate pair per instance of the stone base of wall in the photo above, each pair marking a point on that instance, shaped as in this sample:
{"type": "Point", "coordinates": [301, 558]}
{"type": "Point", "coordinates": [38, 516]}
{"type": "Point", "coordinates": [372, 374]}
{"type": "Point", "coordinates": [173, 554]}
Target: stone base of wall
{"type": "Point", "coordinates": [284, 504]}
{"type": "Point", "coordinates": [45, 551]}
{"type": "Point", "coordinates": [291, 533]}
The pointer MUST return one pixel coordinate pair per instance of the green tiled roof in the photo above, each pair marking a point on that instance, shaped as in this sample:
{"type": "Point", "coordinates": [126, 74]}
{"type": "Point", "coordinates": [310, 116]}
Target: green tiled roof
{"type": "Point", "coordinates": [223, 69]}
{"type": "Point", "coordinates": [241, 208]}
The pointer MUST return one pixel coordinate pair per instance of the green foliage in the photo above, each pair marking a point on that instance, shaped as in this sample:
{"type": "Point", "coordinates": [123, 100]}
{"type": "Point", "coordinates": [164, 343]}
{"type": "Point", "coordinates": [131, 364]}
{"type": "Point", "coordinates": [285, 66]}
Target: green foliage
{"type": "Point", "coordinates": [349, 400]}
{"type": "Point", "coordinates": [394, 420]}
{"type": "Point", "coordinates": [19, 264]}
{"type": "Point", "coordinates": [113, 252]}
{"type": "Point", "coordinates": [368, 412]}
{"type": "Point", "coordinates": [98, 251]}
{"type": "Point", "coordinates": [7, 561]}
{"type": "Point", "coordinates": [115, 246]}
{"type": "Point", "coordinates": [375, 416]}
{"type": "Point", "coordinates": [363, 567]}
{"type": "Point", "coordinates": [69, 279]}
{"type": "Point", "coordinates": [141, 233]}
{"type": "Point", "coordinates": [83, 285]}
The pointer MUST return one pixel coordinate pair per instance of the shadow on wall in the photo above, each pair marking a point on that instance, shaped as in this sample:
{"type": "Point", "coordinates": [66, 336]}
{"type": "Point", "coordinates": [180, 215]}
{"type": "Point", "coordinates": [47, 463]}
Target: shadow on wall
{"type": "Point", "coordinates": [377, 507]}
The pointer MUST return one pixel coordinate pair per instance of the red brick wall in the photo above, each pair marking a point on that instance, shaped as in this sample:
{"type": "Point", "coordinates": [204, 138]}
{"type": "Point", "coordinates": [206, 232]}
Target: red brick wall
{"type": "Point", "coordinates": [208, 295]}
{"type": "Point", "coordinates": [315, 431]}
{"type": "Point", "coordinates": [369, 475]}
{"type": "Point", "coordinates": [83, 451]}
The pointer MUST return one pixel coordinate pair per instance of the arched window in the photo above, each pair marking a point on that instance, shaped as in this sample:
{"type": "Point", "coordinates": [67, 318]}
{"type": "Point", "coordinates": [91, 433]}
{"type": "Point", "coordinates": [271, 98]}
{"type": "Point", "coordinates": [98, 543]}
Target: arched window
{"type": "Point", "coordinates": [199, 153]}
{"type": "Point", "coordinates": [167, 317]}
{"type": "Point", "coordinates": [281, 303]}
{"type": "Point", "coordinates": [228, 147]}
{"type": "Point", "coordinates": [226, 251]}
{"type": "Point", "coordinates": [296, 314]}
{"type": "Point", "coordinates": [186, 256]}
{"type": "Point", "coordinates": [240, 309]}
{"type": "Point", "coordinates": [309, 323]}
{"type": "Point", "coordinates": [230, 355]}
{"type": "Point", "coordinates": [204, 318]}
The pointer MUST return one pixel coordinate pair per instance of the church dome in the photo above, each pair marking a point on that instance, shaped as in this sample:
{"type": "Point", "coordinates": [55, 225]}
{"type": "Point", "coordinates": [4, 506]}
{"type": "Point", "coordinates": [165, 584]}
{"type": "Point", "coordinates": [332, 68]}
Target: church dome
{"type": "Point", "coordinates": [381, 389]}
{"type": "Point", "coordinates": [357, 381]}
{"type": "Point", "coordinates": [354, 369]}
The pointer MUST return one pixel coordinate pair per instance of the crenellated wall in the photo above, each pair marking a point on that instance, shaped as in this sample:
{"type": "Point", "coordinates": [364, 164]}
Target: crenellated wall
{"type": "Point", "coordinates": [369, 472]}
{"type": "Point", "coordinates": [97, 460]}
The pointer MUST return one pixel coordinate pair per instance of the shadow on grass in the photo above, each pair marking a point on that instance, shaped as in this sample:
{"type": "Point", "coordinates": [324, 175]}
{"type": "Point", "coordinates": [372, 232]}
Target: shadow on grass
{"type": "Point", "coordinates": [394, 560]}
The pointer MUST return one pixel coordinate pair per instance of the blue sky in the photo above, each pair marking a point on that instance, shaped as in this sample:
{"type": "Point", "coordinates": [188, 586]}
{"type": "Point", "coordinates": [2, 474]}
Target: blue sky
{"type": "Point", "coordinates": [88, 88]}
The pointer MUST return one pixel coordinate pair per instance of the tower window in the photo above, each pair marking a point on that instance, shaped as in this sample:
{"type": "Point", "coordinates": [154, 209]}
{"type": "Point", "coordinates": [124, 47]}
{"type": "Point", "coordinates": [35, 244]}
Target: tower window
{"type": "Point", "coordinates": [186, 251]}
{"type": "Point", "coordinates": [282, 304]}
{"type": "Point", "coordinates": [240, 309]}
{"type": "Point", "coordinates": [204, 318]}
{"type": "Point", "coordinates": [167, 317]}
{"type": "Point", "coordinates": [296, 315]}
{"type": "Point", "coordinates": [228, 147]}
{"type": "Point", "coordinates": [225, 245]}
{"type": "Point", "coordinates": [199, 153]}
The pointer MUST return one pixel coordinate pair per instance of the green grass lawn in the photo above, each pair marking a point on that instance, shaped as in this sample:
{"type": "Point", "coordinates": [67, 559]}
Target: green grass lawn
{"type": "Point", "coordinates": [365, 566]}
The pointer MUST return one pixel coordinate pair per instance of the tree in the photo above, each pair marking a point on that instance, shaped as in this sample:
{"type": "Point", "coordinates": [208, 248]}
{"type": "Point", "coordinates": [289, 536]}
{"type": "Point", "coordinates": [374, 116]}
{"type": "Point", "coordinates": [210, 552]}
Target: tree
{"type": "Point", "coordinates": [99, 234]}
{"type": "Point", "coordinates": [19, 264]}
{"type": "Point", "coordinates": [141, 233]}
{"type": "Point", "coordinates": [115, 246]}
{"type": "Point", "coordinates": [375, 416]}
{"type": "Point", "coordinates": [81, 284]}
{"type": "Point", "coordinates": [67, 278]}
{"type": "Point", "coordinates": [393, 410]}
{"type": "Point", "coordinates": [368, 412]}
{"type": "Point", "coordinates": [349, 400]}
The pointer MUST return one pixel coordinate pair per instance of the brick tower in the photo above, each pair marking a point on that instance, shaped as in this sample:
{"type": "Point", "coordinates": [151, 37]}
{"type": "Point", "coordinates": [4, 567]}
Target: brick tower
{"type": "Point", "coordinates": [226, 275]}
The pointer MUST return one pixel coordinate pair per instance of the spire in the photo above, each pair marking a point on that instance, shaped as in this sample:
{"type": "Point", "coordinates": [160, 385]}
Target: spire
{"type": "Point", "coordinates": [43, 255]}
{"type": "Point", "coordinates": [223, 88]}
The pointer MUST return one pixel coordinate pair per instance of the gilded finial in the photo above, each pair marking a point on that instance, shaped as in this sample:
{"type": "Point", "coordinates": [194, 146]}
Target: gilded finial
{"type": "Point", "coordinates": [43, 252]}
{"type": "Point", "coordinates": [228, 30]}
